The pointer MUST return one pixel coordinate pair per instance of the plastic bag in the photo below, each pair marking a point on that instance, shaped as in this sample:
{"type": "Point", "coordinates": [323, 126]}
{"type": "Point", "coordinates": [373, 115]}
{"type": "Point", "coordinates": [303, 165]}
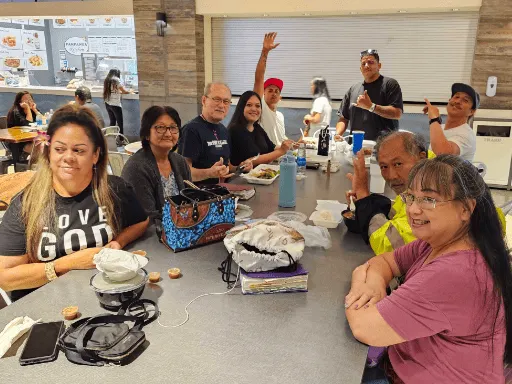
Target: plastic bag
{"type": "Point", "coordinates": [117, 264]}
{"type": "Point", "coordinates": [313, 236]}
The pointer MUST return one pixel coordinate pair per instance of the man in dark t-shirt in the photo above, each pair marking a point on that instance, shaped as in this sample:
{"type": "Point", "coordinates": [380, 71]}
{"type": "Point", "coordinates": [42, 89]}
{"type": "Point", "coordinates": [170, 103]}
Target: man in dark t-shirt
{"type": "Point", "coordinates": [373, 106]}
{"type": "Point", "coordinates": [205, 142]}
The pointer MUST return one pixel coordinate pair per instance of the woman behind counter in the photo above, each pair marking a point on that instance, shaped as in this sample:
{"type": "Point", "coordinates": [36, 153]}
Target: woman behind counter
{"type": "Point", "coordinates": [320, 114]}
{"type": "Point", "coordinates": [155, 171]}
{"type": "Point", "coordinates": [69, 210]}
{"type": "Point", "coordinates": [112, 90]}
{"type": "Point", "coordinates": [248, 138]}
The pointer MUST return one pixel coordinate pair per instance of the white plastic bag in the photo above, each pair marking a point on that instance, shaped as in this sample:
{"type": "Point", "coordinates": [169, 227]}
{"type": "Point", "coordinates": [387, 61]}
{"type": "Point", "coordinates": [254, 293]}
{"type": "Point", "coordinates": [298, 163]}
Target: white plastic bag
{"type": "Point", "coordinates": [314, 236]}
{"type": "Point", "coordinates": [13, 331]}
{"type": "Point", "coordinates": [117, 264]}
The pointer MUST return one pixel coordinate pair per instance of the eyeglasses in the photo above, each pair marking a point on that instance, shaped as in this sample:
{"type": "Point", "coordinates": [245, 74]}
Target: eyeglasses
{"type": "Point", "coordinates": [218, 100]}
{"type": "Point", "coordinates": [426, 203]}
{"type": "Point", "coordinates": [369, 52]}
{"type": "Point", "coordinates": [161, 129]}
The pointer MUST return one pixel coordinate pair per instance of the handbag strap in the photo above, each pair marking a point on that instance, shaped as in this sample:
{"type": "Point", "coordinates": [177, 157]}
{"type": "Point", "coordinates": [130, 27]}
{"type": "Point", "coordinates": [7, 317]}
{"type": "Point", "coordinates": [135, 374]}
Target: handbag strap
{"type": "Point", "coordinates": [141, 304]}
{"type": "Point", "coordinates": [185, 191]}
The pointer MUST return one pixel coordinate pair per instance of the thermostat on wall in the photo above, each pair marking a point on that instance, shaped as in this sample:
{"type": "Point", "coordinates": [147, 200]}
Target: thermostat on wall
{"type": "Point", "coordinates": [492, 83]}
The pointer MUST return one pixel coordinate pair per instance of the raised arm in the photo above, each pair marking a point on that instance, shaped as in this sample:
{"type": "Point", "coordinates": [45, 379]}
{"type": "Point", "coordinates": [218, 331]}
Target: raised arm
{"type": "Point", "coordinates": [259, 77]}
{"type": "Point", "coordinates": [440, 144]}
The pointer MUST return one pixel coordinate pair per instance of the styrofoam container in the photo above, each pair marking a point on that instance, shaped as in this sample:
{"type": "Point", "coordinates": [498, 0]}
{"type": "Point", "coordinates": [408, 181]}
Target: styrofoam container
{"type": "Point", "coordinates": [254, 180]}
{"type": "Point", "coordinates": [321, 222]}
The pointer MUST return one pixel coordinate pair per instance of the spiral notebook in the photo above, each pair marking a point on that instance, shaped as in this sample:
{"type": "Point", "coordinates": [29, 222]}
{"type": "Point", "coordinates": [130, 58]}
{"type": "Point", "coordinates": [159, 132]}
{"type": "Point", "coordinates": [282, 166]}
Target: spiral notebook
{"type": "Point", "coordinates": [274, 282]}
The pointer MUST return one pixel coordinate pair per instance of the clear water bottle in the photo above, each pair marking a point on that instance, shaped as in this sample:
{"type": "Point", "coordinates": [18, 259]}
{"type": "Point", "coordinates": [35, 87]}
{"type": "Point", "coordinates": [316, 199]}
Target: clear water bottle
{"type": "Point", "coordinates": [301, 159]}
{"type": "Point", "coordinates": [39, 119]}
{"type": "Point", "coordinates": [287, 180]}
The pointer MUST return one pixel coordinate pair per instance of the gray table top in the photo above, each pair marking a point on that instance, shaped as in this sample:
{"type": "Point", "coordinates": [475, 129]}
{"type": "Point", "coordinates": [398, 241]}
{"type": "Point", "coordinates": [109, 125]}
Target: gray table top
{"type": "Point", "coordinates": [234, 338]}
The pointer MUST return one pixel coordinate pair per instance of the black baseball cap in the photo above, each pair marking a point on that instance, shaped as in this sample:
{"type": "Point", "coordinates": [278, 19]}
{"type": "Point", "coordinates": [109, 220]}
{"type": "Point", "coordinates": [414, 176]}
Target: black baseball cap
{"type": "Point", "coordinates": [461, 87]}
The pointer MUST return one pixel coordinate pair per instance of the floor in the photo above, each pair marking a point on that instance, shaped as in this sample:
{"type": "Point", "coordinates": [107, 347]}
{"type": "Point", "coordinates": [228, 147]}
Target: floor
{"type": "Point", "coordinates": [501, 196]}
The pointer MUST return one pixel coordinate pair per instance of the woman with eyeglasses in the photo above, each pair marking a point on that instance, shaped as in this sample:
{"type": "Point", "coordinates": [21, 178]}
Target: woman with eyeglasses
{"type": "Point", "coordinates": [156, 171]}
{"type": "Point", "coordinates": [451, 319]}
{"type": "Point", "coordinates": [320, 114]}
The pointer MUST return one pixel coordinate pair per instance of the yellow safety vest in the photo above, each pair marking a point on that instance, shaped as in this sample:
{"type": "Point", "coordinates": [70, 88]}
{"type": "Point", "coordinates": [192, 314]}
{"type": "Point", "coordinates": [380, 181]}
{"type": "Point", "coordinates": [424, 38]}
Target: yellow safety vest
{"type": "Point", "coordinates": [388, 234]}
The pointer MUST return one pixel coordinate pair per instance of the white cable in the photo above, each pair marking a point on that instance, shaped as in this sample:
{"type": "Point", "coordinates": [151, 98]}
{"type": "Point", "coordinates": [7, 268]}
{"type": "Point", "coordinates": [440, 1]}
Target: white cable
{"type": "Point", "coordinates": [204, 294]}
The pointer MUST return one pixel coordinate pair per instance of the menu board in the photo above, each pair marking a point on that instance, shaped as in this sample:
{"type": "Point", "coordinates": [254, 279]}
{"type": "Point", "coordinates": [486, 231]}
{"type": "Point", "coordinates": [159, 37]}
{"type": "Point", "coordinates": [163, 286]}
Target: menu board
{"type": "Point", "coordinates": [36, 60]}
{"type": "Point", "coordinates": [89, 65]}
{"type": "Point", "coordinates": [124, 22]}
{"type": "Point", "coordinates": [3, 20]}
{"type": "Point", "coordinates": [21, 48]}
{"type": "Point", "coordinates": [36, 22]}
{"type": "Point", "coordinates": [92, 22]}
{"type": "Point", "coordinates": [10, 38]}
{"type": "Point", "coordinates": [19, 21]}
{"type": "Point", "coordinates": [33, 40]}
{"type": "Point", "coordinates": [113, 45]}
{"type": "Point", "coordinates": [60, 23]}
{"type": "Point", "coordinates": [107, 22]}
{"type": "Point", "coordinates": [75, 23]}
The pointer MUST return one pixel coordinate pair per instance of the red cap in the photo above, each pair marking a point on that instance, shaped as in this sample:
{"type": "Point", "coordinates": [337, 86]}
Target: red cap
{"type": "Point", "coordinates": [274, 81]}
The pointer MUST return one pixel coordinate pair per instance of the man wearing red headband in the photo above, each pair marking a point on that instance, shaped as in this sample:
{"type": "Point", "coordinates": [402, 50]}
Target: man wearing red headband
{"type": "Point", "coordinates": [272, 120]}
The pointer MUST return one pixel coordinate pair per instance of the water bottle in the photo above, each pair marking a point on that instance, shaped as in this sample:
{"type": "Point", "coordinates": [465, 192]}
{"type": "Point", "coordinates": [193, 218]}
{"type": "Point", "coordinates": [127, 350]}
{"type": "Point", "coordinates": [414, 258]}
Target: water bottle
{"type": "Point", "coordinates": [301, 159]}
{"type": "Point", "coordinates": [39, 119]}
{"type": "Point", "coordinates": [287, 180]}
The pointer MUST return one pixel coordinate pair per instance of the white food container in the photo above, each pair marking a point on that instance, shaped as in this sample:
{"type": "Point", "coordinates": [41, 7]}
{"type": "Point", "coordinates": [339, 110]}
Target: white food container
{"type": "Point", "coordinates": [254, 180]}
{"type": "Point", "coordinates": [322, 222]}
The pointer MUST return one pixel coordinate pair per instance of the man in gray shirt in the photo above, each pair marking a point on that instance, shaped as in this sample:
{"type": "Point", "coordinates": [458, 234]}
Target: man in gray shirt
{"type": "Point", "coordinates": [83, 98]}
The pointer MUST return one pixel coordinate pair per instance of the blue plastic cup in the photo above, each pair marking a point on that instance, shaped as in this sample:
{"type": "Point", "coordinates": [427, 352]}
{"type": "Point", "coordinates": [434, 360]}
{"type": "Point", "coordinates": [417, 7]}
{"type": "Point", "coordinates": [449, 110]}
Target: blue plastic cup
{"type": "Point", "coordinates": [357, 141]}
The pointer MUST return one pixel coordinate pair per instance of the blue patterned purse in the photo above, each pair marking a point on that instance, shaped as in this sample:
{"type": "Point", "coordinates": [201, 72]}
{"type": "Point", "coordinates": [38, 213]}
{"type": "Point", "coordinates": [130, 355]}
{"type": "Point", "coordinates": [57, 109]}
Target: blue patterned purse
{"type": "Point", "coordinates": [197, 217]}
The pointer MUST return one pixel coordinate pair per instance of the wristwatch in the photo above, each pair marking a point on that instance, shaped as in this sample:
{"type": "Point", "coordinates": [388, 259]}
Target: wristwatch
{"type": "Point", "coordinates": [49, 269]}
{"type": "Point", "coordinates": [436, 119]}
{"type": "Point", "coordinates": [372, 108]}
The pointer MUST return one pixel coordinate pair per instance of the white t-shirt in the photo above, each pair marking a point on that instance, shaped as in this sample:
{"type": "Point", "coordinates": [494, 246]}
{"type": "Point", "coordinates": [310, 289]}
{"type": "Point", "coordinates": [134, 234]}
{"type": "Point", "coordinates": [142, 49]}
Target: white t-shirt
{"type": "Point", "coordinates": [273, 123]}
{"type": "Point", "coordinates": [322, 106]}
{"type": "Point", "coordinates": [115, 93]}
{"type": "Point", "coordinates": [465, 139]}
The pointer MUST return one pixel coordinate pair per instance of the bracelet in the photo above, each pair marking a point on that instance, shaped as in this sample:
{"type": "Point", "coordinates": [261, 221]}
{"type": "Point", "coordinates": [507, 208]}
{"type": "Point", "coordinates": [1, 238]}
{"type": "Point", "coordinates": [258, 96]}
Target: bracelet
{"type": "Point", "coordinates": [49, 270]}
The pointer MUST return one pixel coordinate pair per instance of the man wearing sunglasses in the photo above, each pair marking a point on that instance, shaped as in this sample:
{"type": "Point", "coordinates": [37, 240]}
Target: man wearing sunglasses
{"type": "Point", "coordinates": [373, 106]}
{"type": "Point", "coordinates": [205, 140]}
{"type": "Point", "coordinates": [382, 221]}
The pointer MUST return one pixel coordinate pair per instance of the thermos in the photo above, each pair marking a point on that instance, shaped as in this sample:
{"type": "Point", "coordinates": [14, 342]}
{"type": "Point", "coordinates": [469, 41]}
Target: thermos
{"type": "Point", "coordinates": [287, 180]}
{"type": "Point", "coordinates": [323, 142]}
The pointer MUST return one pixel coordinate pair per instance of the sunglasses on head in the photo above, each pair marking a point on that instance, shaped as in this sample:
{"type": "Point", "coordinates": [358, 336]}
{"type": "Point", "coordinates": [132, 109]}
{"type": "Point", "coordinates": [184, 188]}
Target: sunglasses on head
{"type": "Point", "coordinates": [369, 52]}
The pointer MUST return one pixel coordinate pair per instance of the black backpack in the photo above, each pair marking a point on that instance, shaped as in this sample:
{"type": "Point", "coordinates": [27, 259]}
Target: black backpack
{"type": "Point", "coordinates": [108, 339]}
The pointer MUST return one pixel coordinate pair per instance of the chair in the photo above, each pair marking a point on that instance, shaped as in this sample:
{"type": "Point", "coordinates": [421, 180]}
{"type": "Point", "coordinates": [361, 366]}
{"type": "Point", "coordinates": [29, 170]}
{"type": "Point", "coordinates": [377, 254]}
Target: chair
{"type": "Point", "coordinates": [112, 129]}
{"type": "Point", "coordinates": [116, 161]}
{"type": "Point", "coordinates": [5, 158]}
{"type": "Point", "coordinates": [3, 122]}
{"type": "Point", "coordinates": [113, 139]}
{"type": "Point", "coordinates": [5, 300]}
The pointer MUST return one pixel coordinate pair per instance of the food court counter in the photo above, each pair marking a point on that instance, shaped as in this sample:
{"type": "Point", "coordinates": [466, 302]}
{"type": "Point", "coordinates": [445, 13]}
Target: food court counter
{"type": "Point", "coordinates": [48, 98]}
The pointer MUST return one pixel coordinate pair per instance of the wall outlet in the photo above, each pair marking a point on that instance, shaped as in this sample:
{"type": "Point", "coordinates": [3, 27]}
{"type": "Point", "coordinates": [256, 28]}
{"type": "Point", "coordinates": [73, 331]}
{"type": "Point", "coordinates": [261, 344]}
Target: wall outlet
{"type": "Point", "coordinates": [492, 84]}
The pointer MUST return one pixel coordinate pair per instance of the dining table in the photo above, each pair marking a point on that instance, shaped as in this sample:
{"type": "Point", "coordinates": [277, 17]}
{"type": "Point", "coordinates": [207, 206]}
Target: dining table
{"type": "Point", "coordinates": [229, 337]}
{"type": "Point", "coordinates": [17, 137]}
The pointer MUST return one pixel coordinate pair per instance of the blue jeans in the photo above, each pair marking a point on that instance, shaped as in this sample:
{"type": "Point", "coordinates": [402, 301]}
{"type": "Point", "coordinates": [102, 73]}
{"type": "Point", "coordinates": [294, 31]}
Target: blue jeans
{"type": "Point", "coordinates": [375, 375]}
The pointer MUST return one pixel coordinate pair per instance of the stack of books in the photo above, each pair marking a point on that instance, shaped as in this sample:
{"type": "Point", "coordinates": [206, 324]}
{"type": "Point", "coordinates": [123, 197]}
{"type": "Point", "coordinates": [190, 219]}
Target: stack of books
{"type": "Point", "coordinates": [274, 282]}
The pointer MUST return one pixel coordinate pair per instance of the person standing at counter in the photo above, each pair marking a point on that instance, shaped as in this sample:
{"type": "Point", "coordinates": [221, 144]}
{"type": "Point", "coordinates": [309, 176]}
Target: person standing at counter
{"type": "Point", "coordinates": [83, 98]}
{"type": "Point", "coordinates": [320, 114]}
{"type": "Point", "coordinates": [23, 110]}
{"type": "Point", "coordinates": [69, 210]}
{"type": "Point", "coordinates": [112, 90]}
{"type": "Point", "coordinates": [455, 137]}
{"type": "Point", "coordinates": [272, 121]}
{"type": "Point", "coordinates": [373, 106]}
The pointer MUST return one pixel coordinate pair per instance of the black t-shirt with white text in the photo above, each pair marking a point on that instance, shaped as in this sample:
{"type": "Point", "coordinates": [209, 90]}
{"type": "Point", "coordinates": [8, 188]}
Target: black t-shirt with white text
{"type": "Point", "coordinates": [245, 144]}
{"type": "Point", "coordinates": [204, 143]}
{"type": "Point", "coordinates": [384, 91]}
{"type": "Point", "coordinates": [81, 224]}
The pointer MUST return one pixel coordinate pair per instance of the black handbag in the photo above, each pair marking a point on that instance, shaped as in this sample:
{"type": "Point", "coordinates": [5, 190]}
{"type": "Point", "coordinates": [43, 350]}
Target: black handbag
{"type": "Point", "coordinates": [108, 339]}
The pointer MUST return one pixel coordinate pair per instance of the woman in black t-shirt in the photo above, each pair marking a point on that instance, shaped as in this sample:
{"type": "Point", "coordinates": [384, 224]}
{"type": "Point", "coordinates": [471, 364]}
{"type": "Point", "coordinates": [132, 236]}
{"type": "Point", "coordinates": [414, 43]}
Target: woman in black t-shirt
{"type": "Point", "coordinates": [69, 210]}
{"type": "Point", "coordinates": [248, 138]}
{"type": "Point", "coordinates": [23, 110]}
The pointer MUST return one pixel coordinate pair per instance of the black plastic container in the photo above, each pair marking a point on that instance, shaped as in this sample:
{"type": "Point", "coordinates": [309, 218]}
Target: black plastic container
{"type": "Point", "coordinates": [352, 224]}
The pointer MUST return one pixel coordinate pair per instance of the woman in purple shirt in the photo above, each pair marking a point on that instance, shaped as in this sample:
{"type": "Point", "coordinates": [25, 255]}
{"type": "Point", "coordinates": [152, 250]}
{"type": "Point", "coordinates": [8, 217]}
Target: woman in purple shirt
{"type": "Point", "coordinates": [451, 319]}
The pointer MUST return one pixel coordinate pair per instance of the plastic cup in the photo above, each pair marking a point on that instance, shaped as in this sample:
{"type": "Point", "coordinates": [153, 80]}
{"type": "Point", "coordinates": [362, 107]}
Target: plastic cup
{"type": "Point", "coordinates": [357, 141]}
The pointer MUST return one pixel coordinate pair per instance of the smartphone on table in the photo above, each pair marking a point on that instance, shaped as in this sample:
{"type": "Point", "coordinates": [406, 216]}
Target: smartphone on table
{"type": "Point", "coordinates": [41, 346]}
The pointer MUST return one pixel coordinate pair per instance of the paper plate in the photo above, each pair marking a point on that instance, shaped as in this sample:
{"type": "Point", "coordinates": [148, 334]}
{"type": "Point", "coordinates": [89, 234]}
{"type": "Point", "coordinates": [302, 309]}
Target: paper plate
{"type": "Point", "coordinates": [284, 216]}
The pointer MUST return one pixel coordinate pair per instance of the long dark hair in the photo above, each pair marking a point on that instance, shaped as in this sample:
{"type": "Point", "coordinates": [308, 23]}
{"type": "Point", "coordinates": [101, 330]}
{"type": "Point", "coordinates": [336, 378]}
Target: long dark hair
{"type": "Point", "coordinates": [238, 120]}
{"type": "Point", "coordinates": [112, 79]}
{"type": "Point", "coordinates": [39, 208]}
{"type": "Point", "coordinates": [459, 180]}
{"type": "Point", "coordinates": [151, 115]}
{"type": "Point", "coordinates": [320, 88]}
{"type": "Point", "coordinates": [16, 104]}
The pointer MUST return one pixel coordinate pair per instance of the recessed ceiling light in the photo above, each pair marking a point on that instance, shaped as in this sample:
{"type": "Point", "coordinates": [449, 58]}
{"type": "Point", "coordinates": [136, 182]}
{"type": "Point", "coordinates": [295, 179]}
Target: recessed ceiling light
{"type": "Point", "coordinates": [307, 14]}
{"type": "Point", "coordinates": [353, 13]}
{"type": "Point", "coordinates": [402, 11]}
{"type": "Point", "coordinates": [265, 15]}
{"type": "Point", "coordinates": [455, 9]}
